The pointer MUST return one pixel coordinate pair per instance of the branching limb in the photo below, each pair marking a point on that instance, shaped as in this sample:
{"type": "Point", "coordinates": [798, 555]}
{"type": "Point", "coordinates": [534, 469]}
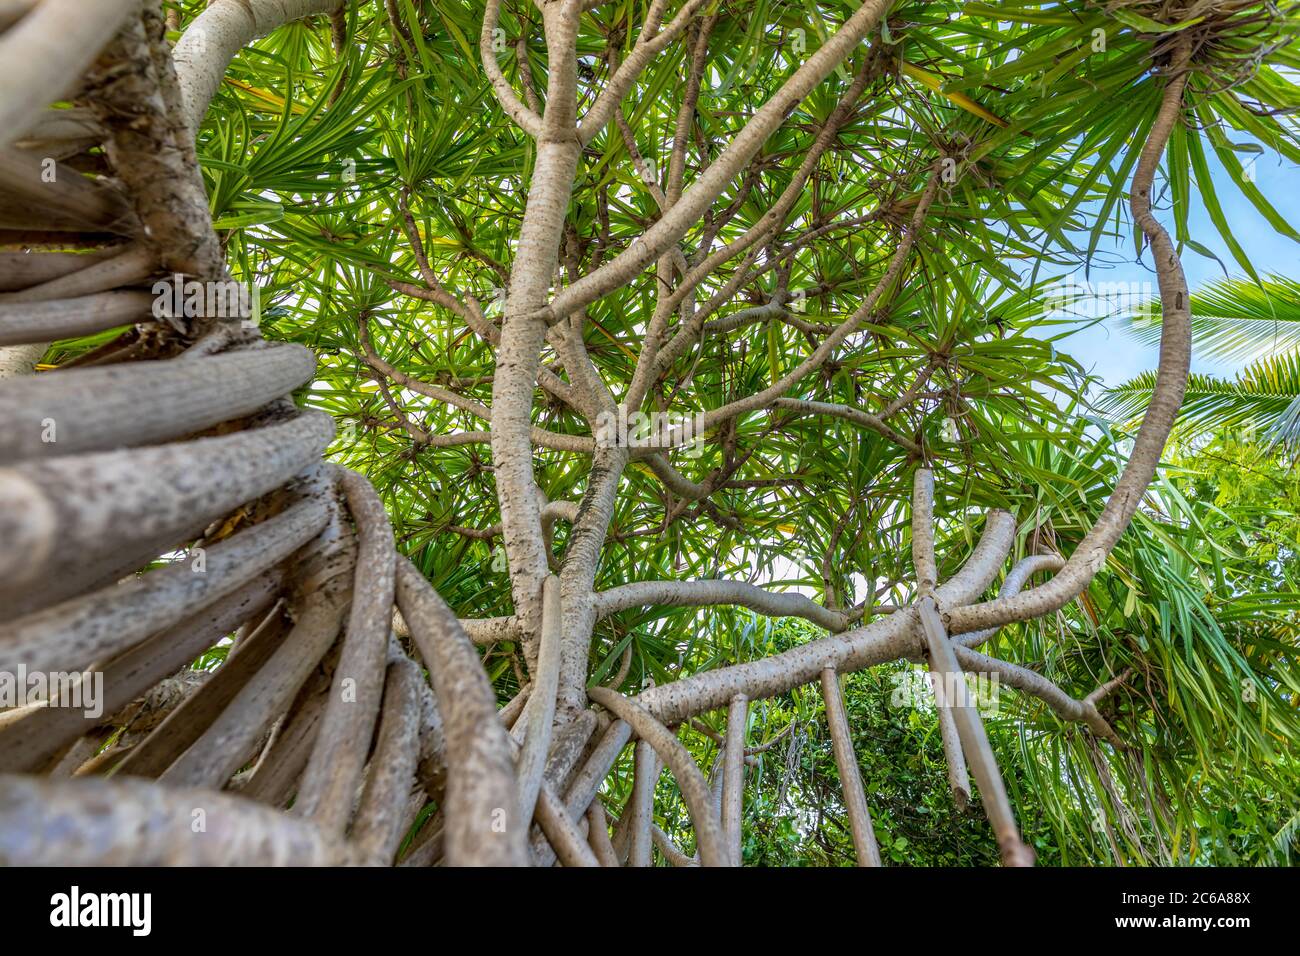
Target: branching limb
{"type": "Point", "coordinates": [647, 47]}
{"type": "Point", "coordinates": [528, 119]}
{"type": "Point", "coordinates": [710, 592]}
{"type": "Point", "coordinates": [824, 351]}
{"type": "Point", "coordinates": [694, 788]}
{"type": "Point", "coordinates": [1014, 582]}
{"type": "Point", "coordinates": [701, 194]}
{"type": "Point", "coordinates": [1035, 684]}
{"type": "Point", "coordinates": [1171, 382]}
{"type": "Point", "coordinates": [542, 437]}
{"type": "Point", "coordinates": [890, 638]}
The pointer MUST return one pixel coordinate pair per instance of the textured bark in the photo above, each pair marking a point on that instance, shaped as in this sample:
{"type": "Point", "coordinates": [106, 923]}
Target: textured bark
{"type": "Point", "coordinates": [640, 808]}
{"type": "Point", "coordinates": [189, 721]}
{"type": "Point", "coordinates": [923, 561]}
{"type": "Point", "coordinates": [64, 516]}
{"type": "Point", "coordinates": [20, 360]}
{"type": "Point", "coordinates": [1015, 580]}
{"type": "Point", "coordinates": [377, 830]}
{"type": "Point", "coordinates": [133, 89]}
{"type": "Point", "coordinates": [598, 835]}
{"type": "Point", "coordinates": [974, 739]}
{"type": "Point", "coordinates": [708, 592]}
{"type": "Point", "coordinates": [27, 744]}
{"type": "Point", "coordinates": [582, 791]}
{"type": "Point", "coordinates": [69, 318]}
{"type": "Point", "coordinates": [142, 403]}
{"type": "Point", "coordinates": [330, 782]}
{"type": "Point", "coordinates": [77, 633]}
{"type": "Point", "coordinates": [131, 823]}
{"type": "Point", "coordinates": [483, 824]}
{"type": "Point", "coordinates": [694, 789]}
{"type": "Point", "coordinates": [19, 270]}
{"type": "Point", "coordinates": [578, 576]}
{"type": "Point", "coordinates": [539, 715]}
{"type": "Point", "coordinates": [568, 841]}
{"type": "Point", "coordinates": [221, 750]}
{"type": "Point", "coordinates": [1031, 682]}
{"type": "Point", "coordinates": [72, 202]}
{"type": "Point", "coordinates": [958, 778]}
{"type": "Point", "coordinates": [280, 767]}
{"type": "Point", "coordinates": [733, 776]}
{"type": "Point", "coordinates": [43, 55]}
{"type": "Point", "coordinates": [127, 266]}
{"type": "Point", "coordinates": [517, 362]}
{"type": "Point", "coordinates": [855, 799]}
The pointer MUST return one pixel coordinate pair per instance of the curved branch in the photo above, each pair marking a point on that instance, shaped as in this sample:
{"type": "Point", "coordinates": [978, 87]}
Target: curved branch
{"type": "Point", "coordinates": [216, 36]}
{"type": "Point", "coordinates": [694, 788]}
{"type": "Point", "coordinates": [483, 825]}
{"type": "Point", "coordinates": [645, 50]}
{"type": "Point", "coordinates": [896, 636]}
{"type": "Point", "coordinates": [334, 770]}
{"type": "Point", "coordinates": [1014, 582]}
{"type": "Point", "coordinates": [528, 120]}
{"type": "Point", "coordinates": [1035, 684]}
{"type": "Point", "coordinates": [703, 593]}
{"type": "Point", "coordinates": [1166, 398]}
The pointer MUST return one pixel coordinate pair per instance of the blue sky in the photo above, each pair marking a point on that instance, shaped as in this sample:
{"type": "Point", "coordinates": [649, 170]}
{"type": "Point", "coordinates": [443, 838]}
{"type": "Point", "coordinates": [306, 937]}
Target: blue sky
{"type": "Point", "coordinates": [1116, 356]}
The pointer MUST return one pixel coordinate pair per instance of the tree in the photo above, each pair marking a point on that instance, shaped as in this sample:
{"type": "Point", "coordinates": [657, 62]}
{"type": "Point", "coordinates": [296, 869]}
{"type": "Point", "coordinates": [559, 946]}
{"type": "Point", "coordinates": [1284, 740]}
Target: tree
{"type": "Point", "coordinates": [629, 308]}
{"type": "Point", "coordinates": [1235, 320]}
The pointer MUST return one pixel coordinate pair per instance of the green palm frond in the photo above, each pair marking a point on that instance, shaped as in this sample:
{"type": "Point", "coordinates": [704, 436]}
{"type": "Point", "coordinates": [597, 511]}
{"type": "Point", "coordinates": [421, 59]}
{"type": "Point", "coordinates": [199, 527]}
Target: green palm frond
{"type": "Point", "coordinates": [1234, 319]}
{"type": "Point", "coordinates": [1263, 398]}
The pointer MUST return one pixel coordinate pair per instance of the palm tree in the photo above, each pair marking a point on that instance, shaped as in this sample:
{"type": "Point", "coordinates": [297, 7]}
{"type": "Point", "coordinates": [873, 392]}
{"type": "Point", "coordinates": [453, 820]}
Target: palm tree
{"type": "Point", "coordinates": [1233, 320]}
